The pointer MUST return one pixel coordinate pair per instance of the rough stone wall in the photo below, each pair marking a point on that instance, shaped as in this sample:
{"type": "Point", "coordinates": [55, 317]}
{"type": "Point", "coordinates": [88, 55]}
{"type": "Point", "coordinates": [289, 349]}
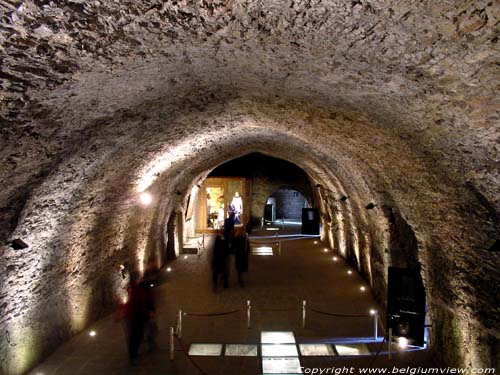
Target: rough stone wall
{"type": "Point", "coordinates": [391, 102]}
{"type": "Point", "coordinates": [289, 204]}
{"type": "Point", "coordinates": [267, 180]}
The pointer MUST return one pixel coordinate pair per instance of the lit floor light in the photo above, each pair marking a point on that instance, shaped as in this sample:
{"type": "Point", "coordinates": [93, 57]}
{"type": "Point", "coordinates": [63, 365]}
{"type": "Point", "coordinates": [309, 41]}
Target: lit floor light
{"type": "Point", "coordinates": [335, 259]}
{"type": "Point", "coordinates": [373, 312]}
{"type": "Point", "coordinates": [169, 269]}
{"type": "Point", "coordinates": [325, 250]}
{"type": "Point", "coordinates": [152, 285]}
{"type": "Point", "coordinates": [402, 342]}
{"type": "Point", "coordinates": [315, 242]}
{"type": "Point", "coordinates": [92, 333]}
{"type": "Point", "coordinates": [145, 199]}
{"type": "Point", "coordinates": [362, 288]}
{"type": "Point", "coordinates": [263, 250]}
{"type": "Point", "coordinates": [185, 256]}
{"type": "Point", "coordinates": [349, 272]}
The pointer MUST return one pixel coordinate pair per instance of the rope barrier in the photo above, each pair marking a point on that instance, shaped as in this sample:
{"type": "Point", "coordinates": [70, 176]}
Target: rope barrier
{"type": "Point", "coordinates": [340, 315]}
{"type": "Point", "coordinates": [277, 310]}
{"type": "Point", "coordinates": [193, 362]}
{"type": "Point", "coordinates": [212, 314]}
{"type": "Point", "coordinates": [378, 352]}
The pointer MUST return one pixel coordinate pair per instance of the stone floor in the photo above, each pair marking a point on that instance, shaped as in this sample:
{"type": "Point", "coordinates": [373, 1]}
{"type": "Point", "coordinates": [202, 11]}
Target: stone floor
{"type": "Point", "coordinates": [276, 286]}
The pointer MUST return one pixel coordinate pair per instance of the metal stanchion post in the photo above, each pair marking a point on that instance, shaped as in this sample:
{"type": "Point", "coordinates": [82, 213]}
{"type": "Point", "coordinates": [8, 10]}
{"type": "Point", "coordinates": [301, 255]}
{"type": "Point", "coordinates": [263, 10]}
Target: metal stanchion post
{"type": "Point", "coordinates": [375, 325]}
{"type": "Point", "coordinates": [390, 343]}
{"type": "Point", "coordinates": [172, 349]}
{"type": "Point", "coordinates": [179, 328]}
{"type": "Point", "coordinates": [249, 309]}
{"type": "Point", "coordinates": [304, 314]}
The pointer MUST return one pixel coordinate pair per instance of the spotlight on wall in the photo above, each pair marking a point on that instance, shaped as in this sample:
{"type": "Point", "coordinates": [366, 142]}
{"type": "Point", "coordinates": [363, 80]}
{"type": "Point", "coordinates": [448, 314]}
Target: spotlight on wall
{"type": "Point", "coordinates": [92, 333]}
{"type": "Point", "coordinates": [145, 198]}
{"type": "Point", "coordinates": [19, 244]}
{"type": "Point", "coordinates": [370, 206]}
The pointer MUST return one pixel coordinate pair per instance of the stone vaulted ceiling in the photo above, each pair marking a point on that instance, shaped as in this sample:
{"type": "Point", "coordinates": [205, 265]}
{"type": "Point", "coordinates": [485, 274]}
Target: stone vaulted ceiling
{"type": "Point", "coordinates": [390, 101]}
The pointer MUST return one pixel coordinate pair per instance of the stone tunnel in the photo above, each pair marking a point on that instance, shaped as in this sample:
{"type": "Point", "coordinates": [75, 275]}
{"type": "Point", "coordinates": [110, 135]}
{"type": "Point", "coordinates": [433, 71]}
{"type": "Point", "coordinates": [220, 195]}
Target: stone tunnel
{"type": "Point", "coordinates": [393, 104]}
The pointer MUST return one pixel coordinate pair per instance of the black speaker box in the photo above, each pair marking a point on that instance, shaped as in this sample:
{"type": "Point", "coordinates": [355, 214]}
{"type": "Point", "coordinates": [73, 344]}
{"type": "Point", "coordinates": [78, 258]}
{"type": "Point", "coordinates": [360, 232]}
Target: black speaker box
{"type": "Point", "coordinates": [310, 221]}
{"type": "Point", "coordinates": [406, 304]}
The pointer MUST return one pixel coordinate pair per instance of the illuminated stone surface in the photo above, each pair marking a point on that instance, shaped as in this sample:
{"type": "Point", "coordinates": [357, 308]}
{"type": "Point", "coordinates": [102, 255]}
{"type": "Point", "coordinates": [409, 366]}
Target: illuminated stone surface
{"type": "Point", "coordinates": [389, 102]}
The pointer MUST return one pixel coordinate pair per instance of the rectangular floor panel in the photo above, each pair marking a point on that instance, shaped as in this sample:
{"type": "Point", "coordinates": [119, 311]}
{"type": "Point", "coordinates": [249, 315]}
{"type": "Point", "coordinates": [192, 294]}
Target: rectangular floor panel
{"type": "Point", "coordinates": [279, 350]}
{"type": "Point", "coordinates": [205, 349]}
{"type": "Point", "coordinates": [281, 366]}
{"type": "Point", "coordinates": [240, 350]}
{"type": "Point", "coordinates": [277, 337]}
{"type": "Point", "coordinates": [309, 350]}
{"type": "Point", "coordinates": [352, 349]}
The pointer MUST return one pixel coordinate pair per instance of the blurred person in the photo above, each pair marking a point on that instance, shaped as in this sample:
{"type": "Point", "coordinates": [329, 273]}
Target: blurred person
{"type": "Point", "coordinates": [241, 251]}
{"type": "Point", "coordinates": [219, 262]}
{"type": "Point", "coordinates": [138, 313]}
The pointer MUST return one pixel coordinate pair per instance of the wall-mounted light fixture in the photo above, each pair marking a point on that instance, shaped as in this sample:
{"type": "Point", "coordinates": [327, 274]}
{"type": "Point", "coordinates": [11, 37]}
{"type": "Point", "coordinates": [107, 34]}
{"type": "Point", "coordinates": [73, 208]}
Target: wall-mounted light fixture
{"type": "Point", "coordinates": [370, 206]}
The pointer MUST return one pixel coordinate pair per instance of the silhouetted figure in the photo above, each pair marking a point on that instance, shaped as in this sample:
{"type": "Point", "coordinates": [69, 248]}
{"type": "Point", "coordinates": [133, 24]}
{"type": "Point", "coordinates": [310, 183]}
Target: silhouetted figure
{"type": "Point", "coordinates": [138, 311]}
{"type": "Point", "coordinates": [228, 228]}
{"type": "Point", "coordinates": [219, 262]}
{"type": "Point", "coordinates": [241, 250]}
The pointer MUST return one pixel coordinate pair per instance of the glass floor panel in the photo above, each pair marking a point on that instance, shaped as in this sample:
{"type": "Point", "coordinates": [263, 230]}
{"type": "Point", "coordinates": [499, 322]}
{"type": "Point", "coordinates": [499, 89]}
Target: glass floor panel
{"type": "Point", "coordinates": [240, 350]}
{"type": "Point", "coordinates": [279, 350]}
{"type": "Point", "coordinates": [308, 350]}
{"type": "Point", "coordinates": [205, 349]}
{"type": "Point", "coordinates": [277, 337]}
{"type": "Point", "coordinates": [281, 366]}
{"type": "Point", "coordinates": [352, 349]}
{"type": "Point", "coordinates": [262, 250]}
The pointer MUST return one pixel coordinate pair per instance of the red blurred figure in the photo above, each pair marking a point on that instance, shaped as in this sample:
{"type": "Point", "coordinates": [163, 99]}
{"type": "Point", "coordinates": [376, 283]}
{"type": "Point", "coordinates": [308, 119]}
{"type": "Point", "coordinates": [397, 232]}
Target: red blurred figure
{"type": "Point", "coordinates": [139, 314]}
